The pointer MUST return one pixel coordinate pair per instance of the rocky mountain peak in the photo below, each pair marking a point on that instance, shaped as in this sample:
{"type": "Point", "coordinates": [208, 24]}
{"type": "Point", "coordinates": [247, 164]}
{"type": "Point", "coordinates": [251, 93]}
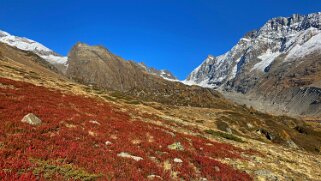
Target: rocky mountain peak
{"type": "Point", "coordinates": [277, 36]}
{"type": "Point", "coordinates": [101, 51]}
{"type": "Point", "coordinates": [275, 53]}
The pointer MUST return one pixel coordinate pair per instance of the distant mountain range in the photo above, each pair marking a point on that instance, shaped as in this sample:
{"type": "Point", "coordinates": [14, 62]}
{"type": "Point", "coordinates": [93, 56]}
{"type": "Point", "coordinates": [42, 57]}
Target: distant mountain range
{"type": "Point", "coordinates": [61, 62]}
{"type": "Point", "coordinates": [94, 116]}
{"type": "Point", "coordinates": [277, 67]}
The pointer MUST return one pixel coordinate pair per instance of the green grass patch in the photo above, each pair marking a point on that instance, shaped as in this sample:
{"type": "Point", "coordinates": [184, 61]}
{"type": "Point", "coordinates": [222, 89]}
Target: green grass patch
{"type": "Point", "coordinates": [224, 135]}
{"type": "Point", "coordinates": [50, 168]}
{"type": "Point", "coordinates": [132, 102]}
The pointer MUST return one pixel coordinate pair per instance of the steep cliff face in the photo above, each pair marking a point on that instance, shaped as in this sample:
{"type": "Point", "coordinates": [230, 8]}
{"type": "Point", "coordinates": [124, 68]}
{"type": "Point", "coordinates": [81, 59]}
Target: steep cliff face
{"type": "Point", "coordinates": [273, 64]}
{"type": "Point", "coordinates": [96, 66]}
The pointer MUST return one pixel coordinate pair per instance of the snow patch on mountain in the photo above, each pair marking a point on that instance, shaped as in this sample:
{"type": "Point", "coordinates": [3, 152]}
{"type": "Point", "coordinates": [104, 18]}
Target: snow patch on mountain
{"type": "Point", "coordinates": [312, 45]}
{"type": "Point", "coordinates": [266, 59]}
{"type": "Point", "coordinates": [234, 70]}
{"type": "Point", "coordinates": [203, 83]}
{"type": "Point", "coordinates": [53, 59]}
{"type": "Point", "coordinates": [32, 46]}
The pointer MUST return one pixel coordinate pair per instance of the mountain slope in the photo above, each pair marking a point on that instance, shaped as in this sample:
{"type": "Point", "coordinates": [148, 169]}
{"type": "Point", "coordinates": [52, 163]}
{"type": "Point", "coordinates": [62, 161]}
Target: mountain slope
{"type": "Point", "coordinates": [61, 62]}
{"type": "Point", "coordinates": [165, 74]}
{"type": "Point", "coordinates": [91, 134]}
{"type": "Point", "coordinates": [277, 64]}
{"type": "Point", "coordinates": [33, 46]}
{"type": "Point", "coordinates": [98, 67]}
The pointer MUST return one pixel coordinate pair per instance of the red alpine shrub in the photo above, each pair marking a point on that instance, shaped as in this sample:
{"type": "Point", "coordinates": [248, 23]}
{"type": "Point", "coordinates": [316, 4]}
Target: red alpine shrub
{"type": "Point", "coordinates": [75, 130]}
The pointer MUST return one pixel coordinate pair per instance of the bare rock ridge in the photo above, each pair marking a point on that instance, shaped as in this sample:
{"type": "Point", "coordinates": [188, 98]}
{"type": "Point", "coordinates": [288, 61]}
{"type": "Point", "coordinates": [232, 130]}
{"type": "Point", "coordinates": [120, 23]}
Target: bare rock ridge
{"type": "Point", "coordinates": [277, 68]}
{"type": "Point", "coordinates": [161, 73]}
{"type": "Point", "coordinates": [97, 66]}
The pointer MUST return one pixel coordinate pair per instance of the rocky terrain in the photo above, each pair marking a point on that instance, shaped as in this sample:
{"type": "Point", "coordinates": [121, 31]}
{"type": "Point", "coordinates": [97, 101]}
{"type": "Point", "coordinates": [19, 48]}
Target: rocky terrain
{"type": "Point", "coordinates": [275, 68]}
{"type": "Point", "coordinates": [53, 128]}
{"type": "Point", "coordinates": [161, 73]}
{"type": "Point", "coordinates": [98, 67]}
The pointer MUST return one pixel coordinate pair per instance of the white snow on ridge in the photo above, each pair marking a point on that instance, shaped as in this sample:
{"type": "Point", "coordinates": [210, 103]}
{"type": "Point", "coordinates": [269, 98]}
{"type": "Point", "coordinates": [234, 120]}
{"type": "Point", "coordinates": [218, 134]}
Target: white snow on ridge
{"type": "Point", "coordinates": [310, 46]}
{"type": "Point", "coordinates": [166, 76]}
{"type": "Point", "coordinates": [55, 59]}
{"type": "Point", "coordinates": [266, 59]}
{"type": "Point", "coordinates": [234, 70]}
{"type": "Point", "coordinates": [203, 83]}
{"type": "Point", "coordinates": [32, 46]}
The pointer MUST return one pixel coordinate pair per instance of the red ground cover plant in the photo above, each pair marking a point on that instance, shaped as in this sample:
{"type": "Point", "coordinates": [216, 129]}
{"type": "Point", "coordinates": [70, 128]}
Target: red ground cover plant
{"type": "Point", "coordinates": [74, 134]}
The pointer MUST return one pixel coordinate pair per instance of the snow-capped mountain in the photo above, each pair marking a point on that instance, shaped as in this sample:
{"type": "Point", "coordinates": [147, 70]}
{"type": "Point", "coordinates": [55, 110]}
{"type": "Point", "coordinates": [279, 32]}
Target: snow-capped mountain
{"type": "Point", "coordinates": [276, 68]}
{"type": "Point", "coordinates": [33, 46]}
{"type": "Point", "coordinates": [289, 37]}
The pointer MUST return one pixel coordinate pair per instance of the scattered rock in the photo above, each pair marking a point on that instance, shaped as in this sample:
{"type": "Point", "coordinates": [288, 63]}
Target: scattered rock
{"type": "Point", "coordinates": [171, 133]}
{"type": "Point", "coordinates": [136, 141]}
{"type": "Point", "coordinates": [291, 144]}
{"type": "Point", "coordinates": [301, 130]}
{"type": "Point", "coordinates": [228, 130]}
{"type": "Point", "coordinates": [177, 160]}
{"type": "Point", "coordinates": [114, 137]}
{"type": "Point", "coordinates": [152, 177]}
{"type": "Point", "coordinates": [70, 125]}
{"type": "Point", "coordinates": [267, 134]}
{"type": "Point", "coordinates": [91, 133]}
{"type": "Point", "coordinates": [108, 143]}
{"type": "Point", "coordinates": [249, 125]}
{"type": "Point", "coordinates": [176, 146]}
{"type": "Point", "coordinates": [127, 155]}
{"type": "Point", "coordinates": [154, 159]}
{"type": "Point", "coordinates": [94, 122]}
{"type": "Point", "coordinates": [31, 119]}
{"type": "Point", "coordinates": [266, 175]}
{"type": "Point", "coordinates": [217, 169]}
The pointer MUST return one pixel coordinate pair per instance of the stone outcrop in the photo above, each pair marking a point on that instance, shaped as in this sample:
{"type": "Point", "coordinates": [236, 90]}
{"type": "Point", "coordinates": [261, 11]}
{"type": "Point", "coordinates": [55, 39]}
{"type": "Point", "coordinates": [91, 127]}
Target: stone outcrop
{"type": "Point", "coordinates": [31, 119]}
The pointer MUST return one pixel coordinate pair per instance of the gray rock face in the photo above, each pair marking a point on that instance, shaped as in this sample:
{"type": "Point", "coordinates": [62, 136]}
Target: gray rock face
{"type": "Point", "coordinates": [266, 175]}
{"type": "Point", "coordinates": [271, 65]}
{"type": "Point", "coordinates": [31, 119]}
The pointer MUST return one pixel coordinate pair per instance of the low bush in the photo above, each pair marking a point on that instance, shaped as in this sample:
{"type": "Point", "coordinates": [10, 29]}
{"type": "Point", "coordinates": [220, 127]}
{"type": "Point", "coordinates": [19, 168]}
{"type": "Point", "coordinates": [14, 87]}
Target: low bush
{"type": "Point", "coordinates": [224, 135]}
{"type": "Point", "coordinates": [71, 141]}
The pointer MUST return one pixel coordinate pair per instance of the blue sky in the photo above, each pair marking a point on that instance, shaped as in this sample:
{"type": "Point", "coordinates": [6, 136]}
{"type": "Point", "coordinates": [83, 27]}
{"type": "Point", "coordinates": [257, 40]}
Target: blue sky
{"type": "Point", "coordinates": [166, 34]}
